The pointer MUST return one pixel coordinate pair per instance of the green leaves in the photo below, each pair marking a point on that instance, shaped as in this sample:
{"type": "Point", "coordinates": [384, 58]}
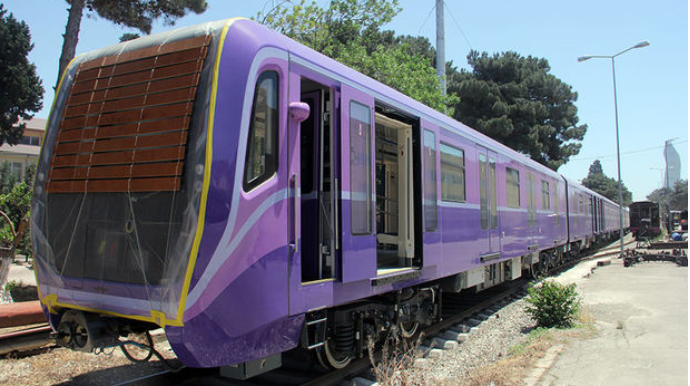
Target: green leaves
{"type": "Point", "coordinates": [516, 101]}
{"type": "Point", "coordinates": [606, 186]}
{"type": "Point", "coordinates": [21, 93]}
{"type": "Point", "coordinates": [553, 304]}
{"type": "Point", "coordinates": [349, 32]}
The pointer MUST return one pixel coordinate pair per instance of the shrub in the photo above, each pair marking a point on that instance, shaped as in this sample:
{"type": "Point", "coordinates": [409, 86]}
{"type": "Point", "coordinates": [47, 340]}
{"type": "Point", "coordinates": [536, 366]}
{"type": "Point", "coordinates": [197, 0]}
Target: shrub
{"type": "Point", "coordinates": [553, 304]}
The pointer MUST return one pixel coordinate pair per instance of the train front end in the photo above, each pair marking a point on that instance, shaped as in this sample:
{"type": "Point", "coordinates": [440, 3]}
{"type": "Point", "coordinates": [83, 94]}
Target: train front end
{"type": "Point", "coordinates": [116, 207]}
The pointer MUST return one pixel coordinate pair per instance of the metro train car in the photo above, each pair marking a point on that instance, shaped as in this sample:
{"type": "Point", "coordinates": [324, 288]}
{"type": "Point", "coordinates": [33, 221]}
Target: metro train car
{"type": "Point", "coordinates": [250, 196]}
{"type": "Point", "coordinates": [645, 219]}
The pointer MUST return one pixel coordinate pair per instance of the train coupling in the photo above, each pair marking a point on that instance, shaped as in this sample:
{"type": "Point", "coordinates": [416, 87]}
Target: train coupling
{"type": "Point", "coordinates": [85, 332]}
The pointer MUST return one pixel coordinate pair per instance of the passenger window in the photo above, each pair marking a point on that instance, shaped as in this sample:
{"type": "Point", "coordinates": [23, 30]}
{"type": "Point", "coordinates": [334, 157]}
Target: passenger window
{"type": "Point", "coordinates": [556, 205]}
{"type": "Point", "coordinates": [513, 187]}
{"type": "Point", "coordinates": [430, 212]}
{"type": "Point", "coordinates": [360, 168]}
{"type": "Point", "coordinates": [452, 173]}
{"type": "Point", "coordinates": [261, 161]}
{"type": "Point", "coordinates": [545, 196]}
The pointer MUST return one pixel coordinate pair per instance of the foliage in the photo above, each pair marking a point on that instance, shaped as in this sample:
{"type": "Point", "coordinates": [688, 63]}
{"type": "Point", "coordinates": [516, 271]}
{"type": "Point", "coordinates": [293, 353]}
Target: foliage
{"type": "Point", "coordinates": [606, 186]}
{"type": "Point", "coordinates": [137, 14]}
{"type": "Point", "coordinates": [553, 304]}
{"type": "Point", "coordinates": [128, 36]}
{"type": "Point", "coordinates": [349, 32]}
{"type": "Point", "coordinates": [518, 102]}
{"type": "Point", "coordinates": [21, 93]}
{"type": "Point", "coordinates": [677, 198]}
{"type": "Point", "coordinates": [15, 201]}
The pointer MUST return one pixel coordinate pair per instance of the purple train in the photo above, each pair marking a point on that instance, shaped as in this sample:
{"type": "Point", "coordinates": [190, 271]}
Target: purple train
{"type": "Point", "coordinates": [250, 196]}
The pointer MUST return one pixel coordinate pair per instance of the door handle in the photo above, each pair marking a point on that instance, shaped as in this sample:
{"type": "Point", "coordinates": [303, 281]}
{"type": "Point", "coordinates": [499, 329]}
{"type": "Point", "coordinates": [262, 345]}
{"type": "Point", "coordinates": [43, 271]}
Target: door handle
{"type": "Point", "coordinates": [295, 244]}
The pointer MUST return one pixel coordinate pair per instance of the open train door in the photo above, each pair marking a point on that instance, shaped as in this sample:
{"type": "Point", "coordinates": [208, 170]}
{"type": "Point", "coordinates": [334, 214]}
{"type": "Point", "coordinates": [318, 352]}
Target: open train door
{"type": "Point", "coordinates": [357, 185]}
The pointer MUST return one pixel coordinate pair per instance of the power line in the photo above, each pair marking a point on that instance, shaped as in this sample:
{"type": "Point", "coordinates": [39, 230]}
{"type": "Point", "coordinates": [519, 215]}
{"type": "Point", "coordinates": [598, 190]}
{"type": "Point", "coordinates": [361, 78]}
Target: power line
{"type": "Point", "coordinates": [624, 153]}
{"type": "Point", "coordinates": [427, 18]}
{"type": "Point", "coordinates": [458, 25]}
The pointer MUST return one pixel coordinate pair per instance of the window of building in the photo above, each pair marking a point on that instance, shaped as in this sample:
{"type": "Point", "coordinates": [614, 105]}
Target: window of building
{"type": "Point", "coordinates": [452, 173]}
{"type": "Point", "coordinates": [513, 188]}
{"type": "Point", "coordinates": [31, 141]}
{"type": "Point", "coordinates": [261, 161]}
{"type": "Point", "coordinates": [545, 196]}
{"type": "Point", "coordinates": [360, 168]}
{"type": "Point", "coordinates": [430, 210]}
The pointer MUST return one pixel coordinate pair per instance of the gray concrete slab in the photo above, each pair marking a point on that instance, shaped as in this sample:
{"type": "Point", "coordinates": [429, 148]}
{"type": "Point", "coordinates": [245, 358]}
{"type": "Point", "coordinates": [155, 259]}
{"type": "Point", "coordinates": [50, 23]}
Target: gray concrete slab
{"type": "Point", "coordinates": [641, 319]}
{"type": "Point", "coordinates": [22, 272]}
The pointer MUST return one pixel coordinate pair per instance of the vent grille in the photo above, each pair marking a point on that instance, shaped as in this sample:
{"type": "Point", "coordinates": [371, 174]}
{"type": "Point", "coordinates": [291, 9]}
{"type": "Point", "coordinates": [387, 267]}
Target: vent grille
{"type": "Point", "coordinates": [126, 122]}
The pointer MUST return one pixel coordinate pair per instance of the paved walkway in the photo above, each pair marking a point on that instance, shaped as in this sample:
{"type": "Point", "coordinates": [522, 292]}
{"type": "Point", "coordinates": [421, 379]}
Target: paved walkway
{"type": "Point", "coordinates": [641, 318]}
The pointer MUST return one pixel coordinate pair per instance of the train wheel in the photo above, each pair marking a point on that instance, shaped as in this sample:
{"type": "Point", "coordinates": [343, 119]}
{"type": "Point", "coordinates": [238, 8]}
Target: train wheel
{"type": "Point", "coordinates": [331, 359]}
{"type": "Point", "coordinates": [543, 265]}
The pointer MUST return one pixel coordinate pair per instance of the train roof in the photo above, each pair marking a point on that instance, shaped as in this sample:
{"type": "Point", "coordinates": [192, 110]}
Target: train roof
{"type": "Point", "coordinates": [312, 59]}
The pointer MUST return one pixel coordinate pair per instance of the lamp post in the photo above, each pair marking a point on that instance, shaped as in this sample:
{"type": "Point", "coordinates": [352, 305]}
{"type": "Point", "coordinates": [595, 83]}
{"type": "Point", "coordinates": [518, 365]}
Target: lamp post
{"type": "Point", "coordinates": [615, 104]}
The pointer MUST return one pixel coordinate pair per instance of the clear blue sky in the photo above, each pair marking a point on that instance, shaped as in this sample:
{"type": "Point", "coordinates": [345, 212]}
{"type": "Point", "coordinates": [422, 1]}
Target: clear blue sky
{"type": "Point", "coordinates": [652, 81]}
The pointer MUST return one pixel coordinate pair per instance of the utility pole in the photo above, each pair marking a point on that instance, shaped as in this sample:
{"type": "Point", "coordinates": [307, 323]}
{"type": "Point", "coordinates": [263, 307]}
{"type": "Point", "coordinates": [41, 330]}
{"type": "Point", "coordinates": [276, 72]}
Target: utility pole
{"type": "Point", "coordinates": [440, 46]}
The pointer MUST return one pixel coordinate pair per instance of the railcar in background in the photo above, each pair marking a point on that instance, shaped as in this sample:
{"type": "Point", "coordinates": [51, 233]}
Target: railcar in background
{"type": "Point", "coordinates": [645, 220]}
{"type": "Point", "coordinates": [250, 196]}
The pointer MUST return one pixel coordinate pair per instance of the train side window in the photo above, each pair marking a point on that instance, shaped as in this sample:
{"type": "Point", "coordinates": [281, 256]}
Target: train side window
{"type": "Point", "coordinates": [483, 194]}
{"type": "Point", "coordinates": [430, 210]}
{"type": "Point", "coordinates": [452, 173]}
{"type": "Point", "coordinates": [360, 168]}
{"type": "Point", "coordinates": [261, 161]}
{"type": "Point", "coordinates": [545, 195]}
{"type": "Point", "coordinates": [556, 205]}
{"type": "Point", "coordinates": [513, 188]}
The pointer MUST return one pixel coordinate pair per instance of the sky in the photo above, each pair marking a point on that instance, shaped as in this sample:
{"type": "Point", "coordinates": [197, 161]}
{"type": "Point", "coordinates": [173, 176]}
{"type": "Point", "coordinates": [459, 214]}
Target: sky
{"type": "Point", "coordinates": [652, 82]}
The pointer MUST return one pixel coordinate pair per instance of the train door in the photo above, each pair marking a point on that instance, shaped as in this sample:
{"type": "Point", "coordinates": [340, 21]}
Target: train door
{"type": "Point", "coordinates": [312, 188]}
{"type": "Point", "coordinates": [317, 198]}
{"type": "Point", "coordinates": [395, 194]}
{"type": "Point", "coordinates": [488, 203]}
{"type": "Point", "coordinates": [358, 236]}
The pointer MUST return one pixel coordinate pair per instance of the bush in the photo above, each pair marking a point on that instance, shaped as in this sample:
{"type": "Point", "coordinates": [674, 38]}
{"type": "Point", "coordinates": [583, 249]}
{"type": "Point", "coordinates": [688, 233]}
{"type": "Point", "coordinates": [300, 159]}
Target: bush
{"type": "Point", "coordinates": [553, 304]}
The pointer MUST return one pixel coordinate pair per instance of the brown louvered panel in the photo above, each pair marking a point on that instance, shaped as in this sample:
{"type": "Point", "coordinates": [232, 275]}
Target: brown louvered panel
{"type": "Point", "coordinates": [121, 157]}
{"type": "Point", "coordinates": [119, 185]}
{"type": "Point", "coordinates": [164, 169]}
{"type": "Point", "coordinates": [160, 126]}
{"type": "Point", "coordinates": [126, 143]}
{"type": "Point", "coordinates": [168, 97]}
{"type": "Point", "coordinates": [126, 121]}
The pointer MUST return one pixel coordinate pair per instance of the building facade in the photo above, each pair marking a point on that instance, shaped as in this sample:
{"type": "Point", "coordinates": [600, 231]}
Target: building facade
{"type": "Point", "coordinates": [26, 152]}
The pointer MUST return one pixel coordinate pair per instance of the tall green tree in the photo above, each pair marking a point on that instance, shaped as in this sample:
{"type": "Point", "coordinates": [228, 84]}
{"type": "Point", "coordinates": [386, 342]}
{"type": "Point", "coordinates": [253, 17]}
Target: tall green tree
{"type": "Point", "coordinates": [674, 199]}
{"type": "Point", "coordinates": [21, 92]}
{"type": "Point", "coordinates": [349, 32]}
{"type": "Point", "coordinates": [137, 14]}
{"type": "Point", "coordinates": [518, 102]}
{"type": "Point", "coordinates": [606, 186]}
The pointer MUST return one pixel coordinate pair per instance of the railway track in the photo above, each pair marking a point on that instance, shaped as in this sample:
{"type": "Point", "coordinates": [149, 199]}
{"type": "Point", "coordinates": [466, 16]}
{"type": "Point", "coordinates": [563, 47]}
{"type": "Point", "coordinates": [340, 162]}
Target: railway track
{"type": "Point", "coordinates": [24, 341]}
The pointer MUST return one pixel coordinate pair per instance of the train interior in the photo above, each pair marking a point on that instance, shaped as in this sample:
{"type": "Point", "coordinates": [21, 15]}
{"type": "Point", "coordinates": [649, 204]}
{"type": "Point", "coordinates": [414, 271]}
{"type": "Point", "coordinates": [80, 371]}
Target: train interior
{"type": "Point", "coordinates": [395, 194]}
{"type": "Point", "coordinates": [318, 225]}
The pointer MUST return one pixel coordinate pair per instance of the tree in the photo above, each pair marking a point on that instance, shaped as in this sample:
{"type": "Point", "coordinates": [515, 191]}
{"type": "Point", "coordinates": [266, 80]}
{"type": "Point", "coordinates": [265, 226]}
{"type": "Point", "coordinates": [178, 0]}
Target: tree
{"type": "Point", "coordinates": [349, 32]}
{"type": "Point", "coordinates": [21, 93]}
{"type": "Point", "coordinates": [676, 198]}
{"type": "Point", "coordinates": [518, 102]}
{"type": "Point", "coordinates": [137, 14]}
{"type": "Point", "coordinates": [128, 36]}
{"type": "Point", "coordinates": [606, 186]}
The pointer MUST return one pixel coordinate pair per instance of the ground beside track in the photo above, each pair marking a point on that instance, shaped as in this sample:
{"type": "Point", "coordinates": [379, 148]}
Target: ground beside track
{"type": "Point", "coordinates": [641, 321]}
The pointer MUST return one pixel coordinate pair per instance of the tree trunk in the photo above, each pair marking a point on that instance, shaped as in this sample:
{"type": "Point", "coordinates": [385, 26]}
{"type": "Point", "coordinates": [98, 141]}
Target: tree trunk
{"type": "Point", "coordinates": [71, 36]}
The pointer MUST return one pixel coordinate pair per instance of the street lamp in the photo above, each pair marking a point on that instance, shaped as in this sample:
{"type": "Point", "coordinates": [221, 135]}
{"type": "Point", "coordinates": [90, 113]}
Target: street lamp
{"type": "Point", "coordinates": [615, 104]}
